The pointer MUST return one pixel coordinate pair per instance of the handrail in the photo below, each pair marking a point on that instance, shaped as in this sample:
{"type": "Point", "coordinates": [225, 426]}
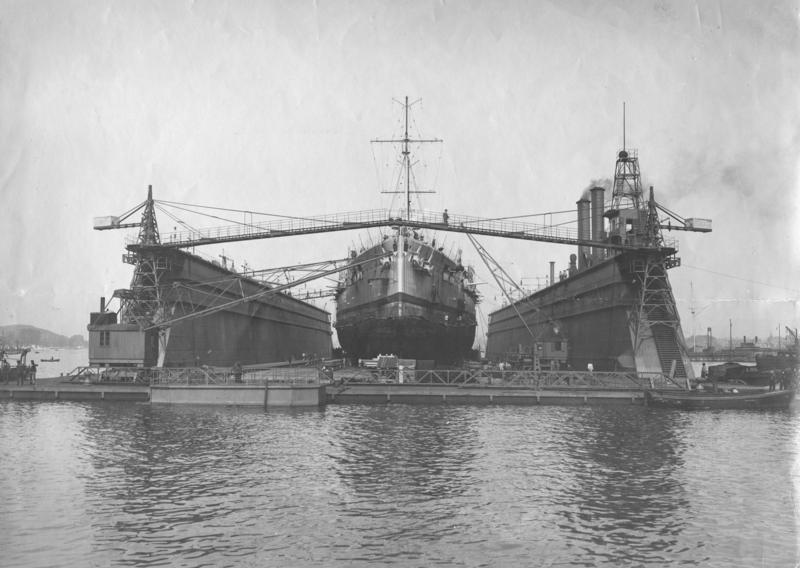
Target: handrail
{"type": "Point", "coordinates": [310, 375]}
{"type": "Point", "coordinates": [510, 378]}
{"type": "Point", "coordinates": [421, 219]}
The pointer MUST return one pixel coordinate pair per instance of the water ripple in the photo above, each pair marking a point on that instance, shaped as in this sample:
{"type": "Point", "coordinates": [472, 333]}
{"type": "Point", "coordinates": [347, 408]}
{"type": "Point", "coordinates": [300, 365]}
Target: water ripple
{"type": "Point", "coordinates": [138, 485]}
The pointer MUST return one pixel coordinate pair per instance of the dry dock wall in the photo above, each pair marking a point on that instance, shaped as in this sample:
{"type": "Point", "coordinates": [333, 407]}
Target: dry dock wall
{"type": "Point", "coordinates": [245, 395]}
{"type": "Point", "coordinates": [77, 394]}
{"type": "Point", "coordinates": [416, 394]}
{"type": "Point", "coordinates": [318, 395]}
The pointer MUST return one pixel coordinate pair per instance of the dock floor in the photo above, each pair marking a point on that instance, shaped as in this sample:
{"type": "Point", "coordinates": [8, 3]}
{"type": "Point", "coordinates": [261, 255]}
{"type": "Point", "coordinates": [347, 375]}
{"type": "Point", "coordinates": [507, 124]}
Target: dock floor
{"type": "Point", "coordinates": [57, 389]}
{"type": "Point", "coordinates": [480, 395]}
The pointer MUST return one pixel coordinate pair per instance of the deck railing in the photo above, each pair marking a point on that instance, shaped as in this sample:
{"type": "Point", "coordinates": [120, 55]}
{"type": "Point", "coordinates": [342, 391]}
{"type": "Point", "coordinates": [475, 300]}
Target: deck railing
{"type": "Point", "coordinates": [311, 375]}
{"type": "Point", "coordinates": [422, 219]}
{"type": "Point", "coordinates": [212, 376]}
{"type": "Point", "coordinates": [508, 378]}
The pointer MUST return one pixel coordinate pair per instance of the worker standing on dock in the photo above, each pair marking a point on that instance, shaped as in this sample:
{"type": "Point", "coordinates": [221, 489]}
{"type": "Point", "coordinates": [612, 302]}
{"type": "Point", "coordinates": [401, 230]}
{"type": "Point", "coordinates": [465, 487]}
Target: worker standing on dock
{"type": "Point", "coordinates": [33, 372]}
{"type": "Point", "coordinates": [703, 372]}
{"type": "Point", "coordinates": [237, 372]}
{"type": "Point", "coordinates": [445, 217]}
{"type": "Point", "coordinates": [21, 370]}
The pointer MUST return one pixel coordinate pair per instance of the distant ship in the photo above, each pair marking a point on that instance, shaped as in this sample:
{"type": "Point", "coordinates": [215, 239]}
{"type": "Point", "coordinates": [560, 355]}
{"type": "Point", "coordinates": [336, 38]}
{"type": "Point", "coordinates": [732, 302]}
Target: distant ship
{"type": "Point", "coordinates": [411, 299]}
{"type": "Point", "coordinates": [613, 309]}
{"type": "Point", "coordinates": [174, 286]}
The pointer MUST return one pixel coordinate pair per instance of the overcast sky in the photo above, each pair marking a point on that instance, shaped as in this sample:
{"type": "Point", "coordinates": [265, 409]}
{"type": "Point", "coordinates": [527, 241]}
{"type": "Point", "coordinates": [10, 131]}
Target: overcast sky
{"type": "Point", "coordinates": [270, 106]}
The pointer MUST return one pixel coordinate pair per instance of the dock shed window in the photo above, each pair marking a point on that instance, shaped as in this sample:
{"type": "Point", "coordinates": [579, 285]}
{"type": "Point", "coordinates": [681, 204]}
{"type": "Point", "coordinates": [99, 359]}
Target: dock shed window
{"type": "Point", "coordinates": [105, 338]}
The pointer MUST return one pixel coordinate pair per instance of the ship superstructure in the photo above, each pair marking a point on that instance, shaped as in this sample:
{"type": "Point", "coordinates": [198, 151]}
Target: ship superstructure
{"type": "Point", "coordinates": [412, 300]}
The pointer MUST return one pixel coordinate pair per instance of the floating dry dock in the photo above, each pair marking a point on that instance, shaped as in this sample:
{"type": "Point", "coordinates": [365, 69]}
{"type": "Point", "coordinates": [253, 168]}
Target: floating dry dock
{"type": "Point", "coordinates": [309, 387]}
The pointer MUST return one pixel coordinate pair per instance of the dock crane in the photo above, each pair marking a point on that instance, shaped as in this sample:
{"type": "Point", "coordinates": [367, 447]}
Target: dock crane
{"type": "Point", "coordinates": [792, 333]}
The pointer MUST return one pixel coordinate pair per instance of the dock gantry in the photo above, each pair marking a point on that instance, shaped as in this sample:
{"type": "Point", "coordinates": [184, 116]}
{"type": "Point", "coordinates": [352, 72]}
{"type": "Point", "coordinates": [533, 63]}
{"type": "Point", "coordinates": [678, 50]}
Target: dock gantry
{"type": "Point", "coordinates": [509, 228]}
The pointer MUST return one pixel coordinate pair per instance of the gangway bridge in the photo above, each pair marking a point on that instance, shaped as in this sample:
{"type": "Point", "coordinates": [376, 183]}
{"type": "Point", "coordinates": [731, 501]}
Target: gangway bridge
{"type": "Point", "coordinates": [506, 227]}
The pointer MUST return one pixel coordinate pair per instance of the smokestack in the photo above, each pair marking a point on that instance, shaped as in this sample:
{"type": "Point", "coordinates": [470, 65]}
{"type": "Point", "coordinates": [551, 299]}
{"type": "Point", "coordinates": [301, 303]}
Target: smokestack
{"type": "Point", "coordinates": [102, 304]}
{"type": "Point", "coordinates": [552, 272]}
{"type": "Point", "coordinates": [598, 194]}
{"type": "Point", "coordinates": [584, 231]}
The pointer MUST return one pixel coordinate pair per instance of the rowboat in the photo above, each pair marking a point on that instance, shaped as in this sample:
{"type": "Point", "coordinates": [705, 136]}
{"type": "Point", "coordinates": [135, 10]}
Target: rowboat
{"type": "Point", "coordinates": [698, 400]}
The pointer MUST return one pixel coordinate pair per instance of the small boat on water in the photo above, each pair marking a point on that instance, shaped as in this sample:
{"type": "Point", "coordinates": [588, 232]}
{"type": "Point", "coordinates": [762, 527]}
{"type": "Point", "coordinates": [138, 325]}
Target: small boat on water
{"type": "Point", "coordinates": [50, 360]}
{"type": "Point", "coordinates": [699, 400]}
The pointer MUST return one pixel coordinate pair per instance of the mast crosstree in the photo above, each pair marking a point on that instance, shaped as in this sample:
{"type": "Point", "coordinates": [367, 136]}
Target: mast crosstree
{"type": "Point", "coordinates": [406, 161]}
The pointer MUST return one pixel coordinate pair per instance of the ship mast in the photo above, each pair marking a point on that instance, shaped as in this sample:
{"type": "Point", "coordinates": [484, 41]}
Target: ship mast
{"type": "Point", "coordinates": [407, 161]}
{"type": "Point", "coordinates": [406, 165]}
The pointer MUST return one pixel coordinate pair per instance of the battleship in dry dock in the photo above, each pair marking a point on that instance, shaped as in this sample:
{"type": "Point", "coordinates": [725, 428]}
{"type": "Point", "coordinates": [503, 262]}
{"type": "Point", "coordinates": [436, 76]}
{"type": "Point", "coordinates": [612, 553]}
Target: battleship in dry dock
{"type": "Point", "coordinates": [411, 299]}
{"type": "Point", "coordinates": [613, 308]}
{"type": "Point", "coordinates": [182, 310]}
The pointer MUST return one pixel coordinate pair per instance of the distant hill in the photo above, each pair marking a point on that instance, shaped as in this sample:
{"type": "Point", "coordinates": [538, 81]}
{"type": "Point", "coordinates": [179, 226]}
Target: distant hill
{"type": "Point", "coordinates": [23, 335]}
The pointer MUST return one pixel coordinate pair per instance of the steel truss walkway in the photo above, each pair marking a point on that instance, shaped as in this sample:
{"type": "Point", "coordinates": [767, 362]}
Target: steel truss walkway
{"type": "Point", "coordinates": [419, 219]}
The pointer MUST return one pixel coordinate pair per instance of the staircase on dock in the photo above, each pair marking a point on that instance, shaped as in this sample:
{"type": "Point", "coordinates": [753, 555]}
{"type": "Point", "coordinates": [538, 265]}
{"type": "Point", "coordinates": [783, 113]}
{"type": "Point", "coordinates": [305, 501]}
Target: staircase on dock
{"type": "Point", "coordinates": [668, 349]}
{"type": "Point", "coordinates": [656, 310]}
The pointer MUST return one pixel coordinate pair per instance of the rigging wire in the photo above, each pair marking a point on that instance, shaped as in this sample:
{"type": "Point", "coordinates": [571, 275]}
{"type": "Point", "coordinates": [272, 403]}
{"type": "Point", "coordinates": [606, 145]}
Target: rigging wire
{"type": "Point", "coordinates": [740, 278]}
{"type": "Point", "coordinates": [175, 218]}
{"type": "Point", "coordinates": [184, 207]}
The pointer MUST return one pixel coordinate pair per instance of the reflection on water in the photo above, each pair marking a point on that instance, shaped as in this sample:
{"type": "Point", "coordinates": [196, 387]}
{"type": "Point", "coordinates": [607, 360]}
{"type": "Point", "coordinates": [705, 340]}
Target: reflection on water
{"type": "Point", "coordinates": [139, 485]}
{"type": "Point", "coordinates": [627, 461]}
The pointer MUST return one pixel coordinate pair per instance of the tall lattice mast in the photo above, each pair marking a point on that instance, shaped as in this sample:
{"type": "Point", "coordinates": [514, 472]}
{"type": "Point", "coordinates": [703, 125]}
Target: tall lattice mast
{"type": "Point", "coordinates": [143, 304]}
{"type": "Point", "coordinates": [405, 185]}
{"type": "Point", "coordinates": [148, 233]}
{"type": "Point", "coordinates": [634, 221]}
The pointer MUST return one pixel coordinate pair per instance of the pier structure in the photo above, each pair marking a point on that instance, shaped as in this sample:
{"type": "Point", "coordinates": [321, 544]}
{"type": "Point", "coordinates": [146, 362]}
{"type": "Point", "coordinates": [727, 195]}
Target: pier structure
{"type": "Point", "coordinates": [317, 386]}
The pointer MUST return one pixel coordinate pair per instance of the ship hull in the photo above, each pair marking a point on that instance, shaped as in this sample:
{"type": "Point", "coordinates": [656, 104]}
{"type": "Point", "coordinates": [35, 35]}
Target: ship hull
{"type": "Point", "coordinates": [415, 303]}
{"type": "Point", "coordinates": [596, 311]}
{"type": "Point", "coordinates": [271, 328]}
{"type": "Point", "coordinates": [413, 337]}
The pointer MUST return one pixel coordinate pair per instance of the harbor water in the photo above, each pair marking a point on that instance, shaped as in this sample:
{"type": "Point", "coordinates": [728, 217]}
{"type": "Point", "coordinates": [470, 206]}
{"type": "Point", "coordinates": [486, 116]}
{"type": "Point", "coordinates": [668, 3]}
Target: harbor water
{"type": "Point", "coordinates": [115, 484]}
{"type": "Point", "coordinates": [65, 361]}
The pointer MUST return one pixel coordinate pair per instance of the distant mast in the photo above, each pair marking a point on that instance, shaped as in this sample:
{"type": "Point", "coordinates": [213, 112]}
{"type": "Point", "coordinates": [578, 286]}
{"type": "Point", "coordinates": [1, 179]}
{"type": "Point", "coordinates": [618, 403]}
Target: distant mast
{"type": "Point", "coordinates": [405, 165]}
{"type": "Point", "coordinates": [623, 125]}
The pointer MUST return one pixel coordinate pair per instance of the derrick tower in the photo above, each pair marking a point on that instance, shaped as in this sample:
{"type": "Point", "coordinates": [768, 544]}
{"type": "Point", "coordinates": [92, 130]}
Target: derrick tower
{"type": "Point", "coordinates": [142, 304]}
{"type": "Point", "coordinates": [634, 221]}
